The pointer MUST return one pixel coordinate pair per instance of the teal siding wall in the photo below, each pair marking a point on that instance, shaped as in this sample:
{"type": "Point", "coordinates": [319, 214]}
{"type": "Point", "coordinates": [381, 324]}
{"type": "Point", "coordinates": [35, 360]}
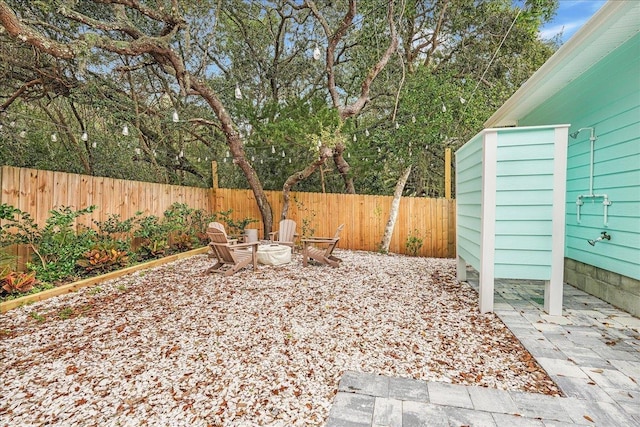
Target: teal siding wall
{"type": "Point", "coordinates": [606, 97]}
{"type": "Point", "coordinates": [469, 200]}
{"type": "Point", "coordinates": [524, 203]}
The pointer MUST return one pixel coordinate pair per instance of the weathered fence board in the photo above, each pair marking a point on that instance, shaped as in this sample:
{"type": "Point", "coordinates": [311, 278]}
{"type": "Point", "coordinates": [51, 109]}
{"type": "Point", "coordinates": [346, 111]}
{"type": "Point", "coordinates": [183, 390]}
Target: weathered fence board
{"type": "Point", "coordinates": [319, 214]}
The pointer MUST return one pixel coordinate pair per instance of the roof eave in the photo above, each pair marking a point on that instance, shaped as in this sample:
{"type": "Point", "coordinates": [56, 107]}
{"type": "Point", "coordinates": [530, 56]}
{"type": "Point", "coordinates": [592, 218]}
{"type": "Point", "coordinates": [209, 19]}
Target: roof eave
{"type": "Point", "coordinates": [541, 85]}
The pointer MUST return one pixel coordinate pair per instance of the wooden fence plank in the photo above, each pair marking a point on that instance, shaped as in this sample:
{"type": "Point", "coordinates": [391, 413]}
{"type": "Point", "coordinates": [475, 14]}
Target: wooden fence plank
{"type": "Point", "coordinates": [45, 196]}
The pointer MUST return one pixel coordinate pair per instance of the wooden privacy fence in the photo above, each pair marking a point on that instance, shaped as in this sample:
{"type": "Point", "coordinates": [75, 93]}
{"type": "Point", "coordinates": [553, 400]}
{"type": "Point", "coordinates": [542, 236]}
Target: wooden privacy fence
{"type": "Point", "coordinates": [39, 191]}
{"type": "Point", "coordinates": [364, 216]}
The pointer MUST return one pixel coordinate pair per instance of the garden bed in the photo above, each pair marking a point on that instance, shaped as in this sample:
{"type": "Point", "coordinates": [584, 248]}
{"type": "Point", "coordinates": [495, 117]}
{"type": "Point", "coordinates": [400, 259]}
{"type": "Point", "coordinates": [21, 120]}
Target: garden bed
{"type": "Point", "coordinates": [73, 287]}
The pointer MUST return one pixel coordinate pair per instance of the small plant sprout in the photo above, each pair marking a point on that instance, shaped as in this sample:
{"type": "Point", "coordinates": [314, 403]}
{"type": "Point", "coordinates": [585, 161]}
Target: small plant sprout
{"type": "Point", "coordinates": [65, 313]}
{"type": "Point", "coordinates": [95, 290]}
{"type": "Point", "coordinates": [37, 316]}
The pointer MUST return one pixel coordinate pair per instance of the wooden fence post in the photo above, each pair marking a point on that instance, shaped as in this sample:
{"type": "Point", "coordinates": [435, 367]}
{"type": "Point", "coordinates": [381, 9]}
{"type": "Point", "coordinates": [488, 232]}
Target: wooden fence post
{"type": "Point", "coordinates": [214, 174]}
{"type": "Point", "coordinates": [447, 173]}
{"type": "Point", "coordinates": [214, 186]}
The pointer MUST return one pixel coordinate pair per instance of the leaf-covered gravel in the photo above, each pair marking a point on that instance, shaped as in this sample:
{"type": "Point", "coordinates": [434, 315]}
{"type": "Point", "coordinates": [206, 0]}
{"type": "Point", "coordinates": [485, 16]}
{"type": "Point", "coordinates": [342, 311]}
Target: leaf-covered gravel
{"type": "Point", "coordinates": [176, 346]}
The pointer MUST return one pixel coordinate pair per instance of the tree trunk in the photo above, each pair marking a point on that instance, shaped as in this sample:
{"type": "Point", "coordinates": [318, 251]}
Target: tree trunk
{"type": "Point", "coordinates": [325, 152]}
{"type": "Point", "coordinates": [237, 151]}
{"type": "Point", "coordinates": [343, 169]}
{"type": "Point", "coordinates": [393, 214]}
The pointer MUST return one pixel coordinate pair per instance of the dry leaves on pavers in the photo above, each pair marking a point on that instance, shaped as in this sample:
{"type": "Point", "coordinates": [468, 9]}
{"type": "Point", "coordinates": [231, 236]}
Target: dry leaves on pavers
{"type": "Point", "coordinates": [175, 346]}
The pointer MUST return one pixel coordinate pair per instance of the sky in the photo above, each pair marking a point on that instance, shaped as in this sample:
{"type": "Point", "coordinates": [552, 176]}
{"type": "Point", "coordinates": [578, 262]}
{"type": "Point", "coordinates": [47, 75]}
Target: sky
{"type": "Point", "coordinates": [571, 16]}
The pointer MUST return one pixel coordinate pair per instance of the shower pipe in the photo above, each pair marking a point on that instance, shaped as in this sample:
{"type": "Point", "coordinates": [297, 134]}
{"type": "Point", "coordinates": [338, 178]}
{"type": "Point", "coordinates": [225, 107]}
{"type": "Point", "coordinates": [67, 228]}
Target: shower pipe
{"type": "Point", "coordinates": [605, 198]}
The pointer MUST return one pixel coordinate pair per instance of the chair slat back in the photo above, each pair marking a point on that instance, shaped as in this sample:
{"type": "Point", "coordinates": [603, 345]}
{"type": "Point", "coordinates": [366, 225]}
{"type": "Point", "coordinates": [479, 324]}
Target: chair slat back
{"type": "Point", "coordinates": [287, 230]}
{"type": "Point", "coordinates": [220, 244]}
{"type": "Point", "coordinates": [217, 226]}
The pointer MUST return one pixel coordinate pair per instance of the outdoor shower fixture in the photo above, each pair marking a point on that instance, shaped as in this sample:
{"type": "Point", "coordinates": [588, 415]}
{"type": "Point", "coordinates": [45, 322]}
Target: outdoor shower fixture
{"type": "Point", "coordinates": [603, 236]}
{"type": "Point", "coordinates": [580, 200]}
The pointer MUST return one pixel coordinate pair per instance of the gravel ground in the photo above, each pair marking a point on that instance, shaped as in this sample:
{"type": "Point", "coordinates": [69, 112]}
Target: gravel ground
{"type": "Point", "coordinates": [173, 346]}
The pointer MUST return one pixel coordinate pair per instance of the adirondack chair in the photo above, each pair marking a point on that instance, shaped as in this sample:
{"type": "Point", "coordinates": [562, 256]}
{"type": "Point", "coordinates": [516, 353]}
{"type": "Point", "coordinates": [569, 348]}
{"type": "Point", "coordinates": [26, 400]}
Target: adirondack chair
{"type": "Point", "coordinates": [320, 249]}
{"type": "Point", "coordinates": [233, 255]}
{"type": "Point", "coordinates": [218, 226]}
{"type": "Point", "coordinates": [286, 235]}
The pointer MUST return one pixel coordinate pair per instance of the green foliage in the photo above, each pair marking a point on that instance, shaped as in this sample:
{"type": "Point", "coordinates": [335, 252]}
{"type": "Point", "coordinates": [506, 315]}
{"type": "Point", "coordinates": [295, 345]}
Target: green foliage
{"type": "Point", "coordinates": [95, 290]}
{"type": "Point", "coordinates": [6, 263]}
{"type": "Point", "coordinates": [188, 226]}
{"type": "Point", "coordinates": [56, 246]}
{"type": "Point", "coordinates": [181, 228]}
{"type": "Point", "coordinates": [265, 48]}
{"type": "Point", "coordinates": [37, 316]}
{"type": "Point", "coordinates": [63, 251]}
{"type": "Point", "coordinates": [308, 218]}
{"type": "Point", "coordinates": [153, 235]}
{"type": "Point", "coordinates": [65, 313]}
{"type": "Point", "coordinates": [236, 227]}
{"type": "Point", "coordinates": [414, 243]}
{"type": "Point", "coordinates": [114, 230]}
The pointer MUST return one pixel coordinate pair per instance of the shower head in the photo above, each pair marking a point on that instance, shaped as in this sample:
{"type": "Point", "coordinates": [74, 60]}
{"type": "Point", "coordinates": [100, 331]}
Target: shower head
{"type": "Point", "coordinates": [574, 135]}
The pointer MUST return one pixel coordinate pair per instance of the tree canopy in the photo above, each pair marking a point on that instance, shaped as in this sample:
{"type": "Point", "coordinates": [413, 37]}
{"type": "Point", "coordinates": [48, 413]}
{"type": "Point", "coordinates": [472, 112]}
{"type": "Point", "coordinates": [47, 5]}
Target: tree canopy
{"type": "Point", "coordinates": [312, 95]}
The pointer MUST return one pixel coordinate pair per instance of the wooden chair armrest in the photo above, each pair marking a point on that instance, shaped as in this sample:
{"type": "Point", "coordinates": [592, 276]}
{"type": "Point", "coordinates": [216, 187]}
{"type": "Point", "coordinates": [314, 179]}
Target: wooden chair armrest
{"type": "Point", "coordinates": [230, 241]}
{"type": "Point", "coordinates": [246, 245]}
{"type": "Point", "coordinates": [319, 240]}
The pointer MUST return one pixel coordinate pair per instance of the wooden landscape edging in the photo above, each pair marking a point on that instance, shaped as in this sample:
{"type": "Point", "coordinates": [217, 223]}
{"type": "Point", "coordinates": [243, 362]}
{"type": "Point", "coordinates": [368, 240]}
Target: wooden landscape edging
{"type": "Point", "coordinates": [72, 287]}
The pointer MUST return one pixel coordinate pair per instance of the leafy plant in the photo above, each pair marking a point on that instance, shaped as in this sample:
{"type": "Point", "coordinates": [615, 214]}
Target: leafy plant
{"type": "Point", "coordinates": [115, 230]}
{"type": "Point", "coordinates": [63, 251]}
{"type": "Point", "coordinates": [236, 227]}
{"type": "Point", "coordinates": [56, 246]}
{"type": "Point", "coordinates": [414, 243]}
{"type": "Point", "coordinates": [188, 226]}
{"type": "Point", "coordinates": [182, 241]}
{"type": "Point", "coordinates": [102, 258]}
{"type": "Point", "coordinates": [16, 282]}
{"type": "Point", "coordinates": [153, 237]}
{"type": "Point", "coordinates": [6, 262]}
{"type": "Point", "coordinates": [307, 228]}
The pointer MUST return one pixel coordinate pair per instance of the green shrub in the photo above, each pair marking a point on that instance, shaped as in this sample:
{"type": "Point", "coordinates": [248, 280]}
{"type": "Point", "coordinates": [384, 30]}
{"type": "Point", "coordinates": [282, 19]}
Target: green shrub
{"type": "Point", "coordinates": [153, 237]}
{"type": "Point", "coordinates": [235, 228]}
{"type": "Point", "coordinates": [188, 226]}
{"type": "Point", "coordinates": [56, 246]}
{"type": "Point", "coordinates": [414, 243]}
{"type": "Point", "coordinates": [115, 231]}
